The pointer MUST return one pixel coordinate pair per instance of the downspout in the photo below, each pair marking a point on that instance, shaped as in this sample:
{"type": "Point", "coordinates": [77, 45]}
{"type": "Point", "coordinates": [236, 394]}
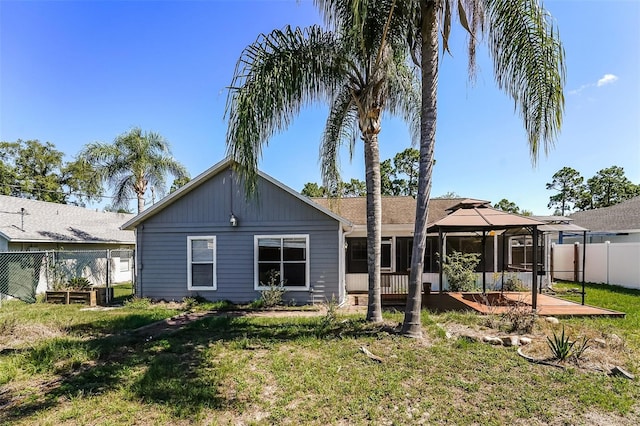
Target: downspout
{"type": "Point", "coordinates": [138, 257]}
{"type": "Point", "coordinates": [342, 264]}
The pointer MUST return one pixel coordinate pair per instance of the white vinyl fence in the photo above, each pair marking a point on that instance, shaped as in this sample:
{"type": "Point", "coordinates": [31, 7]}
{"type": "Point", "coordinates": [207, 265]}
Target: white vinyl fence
{"type": "Point", "coordinates": [609, 263]}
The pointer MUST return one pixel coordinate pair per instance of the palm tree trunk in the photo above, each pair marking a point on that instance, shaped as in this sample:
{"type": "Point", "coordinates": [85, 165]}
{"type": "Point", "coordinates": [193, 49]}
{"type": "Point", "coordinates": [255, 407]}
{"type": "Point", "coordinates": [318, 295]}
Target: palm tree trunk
{"type": "Point", "coordinates": [140, 203]}
{"type": "Point", "coordinates": [412, 325]}
{"type": "Point", "coordinates": [374, 223]}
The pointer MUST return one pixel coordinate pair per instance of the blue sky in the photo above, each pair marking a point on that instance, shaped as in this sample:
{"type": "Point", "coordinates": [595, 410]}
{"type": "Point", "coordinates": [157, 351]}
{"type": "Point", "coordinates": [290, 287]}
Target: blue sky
{"type": "Point", "coordinates": [78, 72]}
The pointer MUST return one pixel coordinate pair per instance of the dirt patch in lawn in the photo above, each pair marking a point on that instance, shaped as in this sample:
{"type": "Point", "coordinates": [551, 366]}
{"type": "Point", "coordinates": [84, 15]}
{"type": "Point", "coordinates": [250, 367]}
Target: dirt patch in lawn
{"type": "Point", "coordinates": [602, 354]}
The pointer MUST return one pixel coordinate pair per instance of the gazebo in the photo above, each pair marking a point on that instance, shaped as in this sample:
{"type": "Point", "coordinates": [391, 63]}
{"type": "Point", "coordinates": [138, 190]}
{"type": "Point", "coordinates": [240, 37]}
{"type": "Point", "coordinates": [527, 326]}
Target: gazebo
{"type": "Point", "coordinates": [474, 216]}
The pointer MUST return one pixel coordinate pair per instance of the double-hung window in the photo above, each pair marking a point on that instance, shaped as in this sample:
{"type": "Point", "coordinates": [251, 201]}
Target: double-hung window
{"type": "Point", "coordinates": [201, 263]}
{"type": "Point", "coordinates": [287, 255]}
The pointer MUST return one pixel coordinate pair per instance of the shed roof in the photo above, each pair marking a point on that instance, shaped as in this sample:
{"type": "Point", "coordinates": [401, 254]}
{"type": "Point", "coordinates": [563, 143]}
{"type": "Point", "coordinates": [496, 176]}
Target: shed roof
{"type": "Point", "coordinates": [617, 218]}
{"type": "Point", "coordinates": [41, 221]}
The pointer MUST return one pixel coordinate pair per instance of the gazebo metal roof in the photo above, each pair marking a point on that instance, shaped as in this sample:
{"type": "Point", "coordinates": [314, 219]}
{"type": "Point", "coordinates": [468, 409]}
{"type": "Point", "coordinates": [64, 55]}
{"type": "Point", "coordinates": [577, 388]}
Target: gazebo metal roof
{"type": "Point", "coordinates": [482, 217]}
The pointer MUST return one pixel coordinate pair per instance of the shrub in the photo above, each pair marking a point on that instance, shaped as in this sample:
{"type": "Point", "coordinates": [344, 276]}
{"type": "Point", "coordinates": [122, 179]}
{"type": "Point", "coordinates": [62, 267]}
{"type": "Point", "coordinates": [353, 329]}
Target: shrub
{"type": "Point", "coordinates": [137, 303]}
{"type": "Point", "coordinates": [330, 319]}
{"type": "Point", "coordinates": [579, 349]}
{"type": "Point", "coordinates": [79, 284]}
{"type": "Point", "coordinates": [520, 318]}
{"type": "Point", "coordinates": [560, 345]}
{"type": "Point", "coordinates": [274, 294]}
{"type": "Point", "coordinates": [513, 283]}
{"type": "Point", "coordinates": [460, 271]}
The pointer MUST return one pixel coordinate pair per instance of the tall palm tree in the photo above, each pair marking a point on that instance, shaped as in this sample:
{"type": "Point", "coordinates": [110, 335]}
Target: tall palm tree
{"type": "Point", "coordinates": [359, 73]}
{"type": "Point", "coordinates": [528, 60]}
{"type": "Point", "coordinates": [135, 162]}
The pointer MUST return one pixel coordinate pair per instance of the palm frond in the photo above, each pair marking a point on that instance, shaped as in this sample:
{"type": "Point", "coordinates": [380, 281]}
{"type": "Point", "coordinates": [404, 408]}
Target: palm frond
{"type": "Point", "coordinates": [273, 79]}
{"type": "Point", "coordinates": [528, 59]}
{"type": "Point", "coordinates": [405, 98]}
{"type": "Point", "coordinates": [341, 127]}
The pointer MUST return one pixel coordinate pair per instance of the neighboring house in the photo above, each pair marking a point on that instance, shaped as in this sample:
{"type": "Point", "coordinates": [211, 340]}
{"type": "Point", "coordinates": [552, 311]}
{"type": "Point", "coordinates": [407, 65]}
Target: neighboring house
{"type": "Point", "coordinates": [209, 239]}
{"type": "Point", "coordinates": [81, 239]}
{"type": "Point", "coordinates": [619, 223]}
{"type": "Point", "coordinates": [31, 225]}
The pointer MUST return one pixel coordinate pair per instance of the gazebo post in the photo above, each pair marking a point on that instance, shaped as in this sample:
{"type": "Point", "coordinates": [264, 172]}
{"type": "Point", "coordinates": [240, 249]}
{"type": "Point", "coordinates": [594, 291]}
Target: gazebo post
{"type": "Point", "coordinates": [534, 260]}
{"type": "Point", "coordinates": [484, 262]}
{"type": "Point", "coordinates": [584, 258]}
{"type": "Point", "coordinates": [442, 259]}
{"type": "Point", "coordinates": [505, 264]}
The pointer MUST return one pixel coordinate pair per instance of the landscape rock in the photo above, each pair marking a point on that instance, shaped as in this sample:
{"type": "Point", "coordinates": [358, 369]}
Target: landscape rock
{"type": "Point", "coordinates": [509, 340]}
{"type": "Point", "coordinates": [616, 341]}
{"type": "Point", "coordinates": [600, 342]}
{"type": "Point", "coordinates": [619, 371]}
{"type": "Point", "coordinates": [470, 338]}
{"type": "Point", "coordinates": [552, 320]}
{"type": "Point", "coordinates": [525, 340]}
{"type": "Point", "coordinates": [492, 340]}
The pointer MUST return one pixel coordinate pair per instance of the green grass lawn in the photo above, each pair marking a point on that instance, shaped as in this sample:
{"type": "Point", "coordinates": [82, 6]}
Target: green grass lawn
{"type": "Point", "coordinates": [257, 370]}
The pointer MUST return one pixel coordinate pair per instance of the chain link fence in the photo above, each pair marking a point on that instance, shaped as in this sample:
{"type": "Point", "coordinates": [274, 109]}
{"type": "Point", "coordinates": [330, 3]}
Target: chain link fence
{"type": "Point", "coordinates": [25, 274]}
{"type": "Point", "coordinates": [20, 274]}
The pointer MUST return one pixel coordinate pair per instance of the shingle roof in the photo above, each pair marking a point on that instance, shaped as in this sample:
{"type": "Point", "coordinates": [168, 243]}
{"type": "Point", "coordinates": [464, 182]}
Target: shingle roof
{"type": "Point", "coordinates": [395, 210]}
{"type": "Point", "coordinates": [620, 217]}
{"type": "Point", "coordinates": [51, 222]}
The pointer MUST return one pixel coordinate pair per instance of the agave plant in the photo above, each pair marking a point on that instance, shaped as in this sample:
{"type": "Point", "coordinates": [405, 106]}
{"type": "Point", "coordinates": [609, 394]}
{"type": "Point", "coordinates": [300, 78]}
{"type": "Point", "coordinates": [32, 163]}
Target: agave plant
{"type": "Point", "coordinates": [560, 346]}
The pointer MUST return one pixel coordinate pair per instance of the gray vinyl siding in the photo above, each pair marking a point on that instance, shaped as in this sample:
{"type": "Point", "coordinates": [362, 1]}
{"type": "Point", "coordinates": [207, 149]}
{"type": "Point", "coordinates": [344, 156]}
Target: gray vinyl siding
{"type": "Point", "coordinates": [162, 241]}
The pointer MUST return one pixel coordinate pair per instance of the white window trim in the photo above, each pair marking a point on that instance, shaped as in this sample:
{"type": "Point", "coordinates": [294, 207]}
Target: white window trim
{"type": "Point", "coordinates": [256, 273]}
{"type": "Point", "coordinates": [215, 263]}
{"type": "Point", "coordinates": [391, 242]}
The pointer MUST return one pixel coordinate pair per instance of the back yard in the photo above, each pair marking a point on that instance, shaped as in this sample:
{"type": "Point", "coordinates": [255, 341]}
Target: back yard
{"type": "Point", "coordinates": [64, 365]}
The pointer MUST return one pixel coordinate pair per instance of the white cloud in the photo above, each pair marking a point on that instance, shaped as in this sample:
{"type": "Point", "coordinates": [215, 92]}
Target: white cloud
{"type": "Point", "coordinates": [579, 89]}
{"type": "Point", "coordinates": [607, 79]}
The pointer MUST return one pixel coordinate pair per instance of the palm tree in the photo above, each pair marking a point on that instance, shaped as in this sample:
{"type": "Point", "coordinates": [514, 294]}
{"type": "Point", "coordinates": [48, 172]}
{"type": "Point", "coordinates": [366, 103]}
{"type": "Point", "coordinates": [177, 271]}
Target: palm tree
{"type": "Point", "coordinates": [528, 60]}
{"type": "Point", "coordinates": [359, 73]}
{"type": "Point", "coordinates": [135, 162]}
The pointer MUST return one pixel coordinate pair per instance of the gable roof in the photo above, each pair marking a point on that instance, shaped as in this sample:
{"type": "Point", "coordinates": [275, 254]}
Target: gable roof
{"type": "Point", "coordinates": [41, 221]}
{"type": "Point", "coordinates": [395, 210]}
{"type": "Point", "coordinates": [208, 174]}
{"type": "Point", "coordinates": [624, 216]}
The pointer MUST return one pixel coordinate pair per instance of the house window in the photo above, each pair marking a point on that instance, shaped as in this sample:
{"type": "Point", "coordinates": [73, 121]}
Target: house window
{"type": "Point", "coordinates": [385, 254]}
{"type": "Point", "coordinates": [358, 249]}
{"type": "Point", "coordinates": [356, 255]}
{"type": "Point", "coordinates": [201, 263]}
{"type": "Point", "coordinates": [124, 264]}
{"type": "Point", "coordinates": [287, 255]}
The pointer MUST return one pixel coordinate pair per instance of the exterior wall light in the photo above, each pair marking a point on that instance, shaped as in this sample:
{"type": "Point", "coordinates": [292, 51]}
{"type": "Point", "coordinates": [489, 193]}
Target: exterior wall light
{"type": "Point", "coordinates": [233, 221]}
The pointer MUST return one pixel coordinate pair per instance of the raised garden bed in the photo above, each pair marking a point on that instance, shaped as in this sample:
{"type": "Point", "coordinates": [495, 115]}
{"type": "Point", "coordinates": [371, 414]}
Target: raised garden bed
{"type": "Point", "coordinates": [66, 297]}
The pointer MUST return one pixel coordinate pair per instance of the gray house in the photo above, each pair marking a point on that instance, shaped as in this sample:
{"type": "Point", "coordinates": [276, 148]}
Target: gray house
{"type": "Point", "coordinates": [619, 223]}
{"type": "Point", "coordinates": [78, 241]}
{"type": "Point", "coordinates": [209, 239]}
